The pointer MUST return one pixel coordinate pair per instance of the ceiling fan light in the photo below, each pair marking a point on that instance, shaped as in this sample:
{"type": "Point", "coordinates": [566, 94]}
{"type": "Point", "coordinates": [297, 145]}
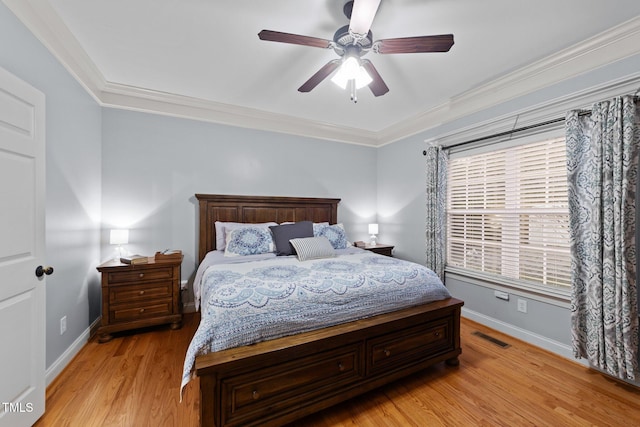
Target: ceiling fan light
{"type": "Point", "coordinates": [340, 80]}
{"type": "Point", "coordinates": [350, 67]}
{"type": "Point", "coordinates": [363, 78]}
{"type": "Point", "coordinates": [351, 70]}
{"type": "Point", "coordinates": [348, 70]}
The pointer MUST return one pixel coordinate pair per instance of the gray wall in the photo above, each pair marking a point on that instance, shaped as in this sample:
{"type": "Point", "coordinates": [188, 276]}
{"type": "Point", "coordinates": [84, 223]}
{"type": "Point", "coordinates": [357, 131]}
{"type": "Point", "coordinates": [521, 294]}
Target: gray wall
{"type": "Point", "coordinates": [73, 179]}
{"type": "Point", "coordinates": [153, 165]}
{"type": "Point", "coordinates": [401, 201]}
{"type": "Point", "coordinates": [109, 168]}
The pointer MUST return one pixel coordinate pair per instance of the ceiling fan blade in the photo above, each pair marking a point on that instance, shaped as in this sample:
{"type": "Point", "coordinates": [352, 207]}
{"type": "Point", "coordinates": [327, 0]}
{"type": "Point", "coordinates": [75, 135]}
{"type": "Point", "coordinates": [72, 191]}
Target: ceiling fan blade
{"type": "Point", "coordinates": [377, 85]}
{"type": "Point", "coordinates": [362, 16]}
{"type": "Point", "coordinates": [322, 74]}
{"type": "Point", "coordinates": [441, 43]}
{"type": "Point", "coordinates": [276, 36]}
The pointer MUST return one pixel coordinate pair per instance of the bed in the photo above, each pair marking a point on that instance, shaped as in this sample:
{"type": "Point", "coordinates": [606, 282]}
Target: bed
{"type": "Point", "coordinates": [278, 380]}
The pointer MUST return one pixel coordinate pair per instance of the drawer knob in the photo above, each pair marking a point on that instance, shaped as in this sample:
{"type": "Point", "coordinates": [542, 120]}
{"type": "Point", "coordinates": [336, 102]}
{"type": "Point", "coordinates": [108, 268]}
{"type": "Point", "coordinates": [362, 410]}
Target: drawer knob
{"type": "Point", "coordinates": [141, 275]}
{"type": "Point", "coordinates": [340, 366]}
{"type": "Point", "coordinates": [255, 395]}
{"type": "Point", "coordinates": [436, 333]}
{"type": "Point", "coordinates": [141, 292]}
{"type": "Point", "coordinates": [387, 352]}
{"type": "Point", "coordinates": [142, 310]}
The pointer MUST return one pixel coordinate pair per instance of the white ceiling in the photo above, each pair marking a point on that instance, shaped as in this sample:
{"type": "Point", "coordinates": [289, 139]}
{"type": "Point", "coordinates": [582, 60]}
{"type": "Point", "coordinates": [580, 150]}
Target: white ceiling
{"type": "Point", "coordinates": [141, 53]}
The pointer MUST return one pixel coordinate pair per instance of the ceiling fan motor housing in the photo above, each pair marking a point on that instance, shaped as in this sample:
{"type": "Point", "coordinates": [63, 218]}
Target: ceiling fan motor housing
{"type": "Point", "coordinates": [343, 39]}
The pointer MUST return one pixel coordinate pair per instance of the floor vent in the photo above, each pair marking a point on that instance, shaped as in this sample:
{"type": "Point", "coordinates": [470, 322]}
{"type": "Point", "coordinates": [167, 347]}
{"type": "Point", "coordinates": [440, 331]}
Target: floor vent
{"type": "Point", "coordinates": [491, 339]}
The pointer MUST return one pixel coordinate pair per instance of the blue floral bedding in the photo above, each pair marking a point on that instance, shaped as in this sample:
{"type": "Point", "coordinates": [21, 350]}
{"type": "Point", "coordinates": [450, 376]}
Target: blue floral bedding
{"type": "Point", "coordinates": [248, 302]}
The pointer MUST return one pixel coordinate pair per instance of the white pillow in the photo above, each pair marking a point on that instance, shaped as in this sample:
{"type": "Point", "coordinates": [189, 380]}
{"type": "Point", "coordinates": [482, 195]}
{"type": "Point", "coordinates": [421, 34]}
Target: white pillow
{"type": "Point", "coordinates": [223, 227]}
{"type": "Point", "coordinates": [313, 248]}
{"type": "Point", "coordinates": [248, 241]}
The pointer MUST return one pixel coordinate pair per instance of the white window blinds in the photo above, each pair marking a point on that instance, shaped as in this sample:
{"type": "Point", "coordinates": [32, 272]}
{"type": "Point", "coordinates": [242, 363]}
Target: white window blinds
{"type": "Point", "coordinates": [508, 215]}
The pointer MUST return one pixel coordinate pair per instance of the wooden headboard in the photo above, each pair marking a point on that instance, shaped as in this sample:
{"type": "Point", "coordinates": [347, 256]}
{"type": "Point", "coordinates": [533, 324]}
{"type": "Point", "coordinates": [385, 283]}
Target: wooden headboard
{"type": "Point", "coordinates": [255, 209]}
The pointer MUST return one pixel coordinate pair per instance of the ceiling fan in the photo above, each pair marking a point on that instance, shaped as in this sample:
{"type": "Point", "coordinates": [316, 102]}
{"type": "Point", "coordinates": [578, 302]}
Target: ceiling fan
{"type": "Point", "coordinates": [353, 41]}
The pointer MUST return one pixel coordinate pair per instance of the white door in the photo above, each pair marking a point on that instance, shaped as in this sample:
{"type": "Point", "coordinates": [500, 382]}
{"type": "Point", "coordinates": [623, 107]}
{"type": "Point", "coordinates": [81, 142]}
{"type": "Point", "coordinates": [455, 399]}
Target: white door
{"type": "Point", "coordinates": [22, 294]}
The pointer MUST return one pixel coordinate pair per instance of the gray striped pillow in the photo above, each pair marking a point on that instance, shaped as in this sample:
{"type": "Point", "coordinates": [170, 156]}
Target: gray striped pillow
{"type": "Point", "coordinates": [313, 248]}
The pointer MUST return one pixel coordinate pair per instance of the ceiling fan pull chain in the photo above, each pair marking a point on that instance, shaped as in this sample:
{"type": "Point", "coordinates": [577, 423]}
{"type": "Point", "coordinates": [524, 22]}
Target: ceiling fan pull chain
{"type": "Point", "coordinates": [354, 96]}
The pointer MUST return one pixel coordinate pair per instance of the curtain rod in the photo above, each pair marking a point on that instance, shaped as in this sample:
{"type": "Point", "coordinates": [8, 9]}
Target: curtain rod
{"type": "Point", "coordinates": [512, 131]}
{"type": "Point", "coordinates": [521, 129]}
{"type": "Point", "coordinates": [506, 133]}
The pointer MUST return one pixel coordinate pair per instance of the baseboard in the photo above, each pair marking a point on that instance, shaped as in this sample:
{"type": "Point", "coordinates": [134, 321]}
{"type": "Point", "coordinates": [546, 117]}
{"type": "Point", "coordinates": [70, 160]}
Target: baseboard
{"type": "Point", "coordinates": [555, 347]}
{"type": "Point", "coordinates": [61, 362]}
{"type": "Point", "coordinates": [532, 338]}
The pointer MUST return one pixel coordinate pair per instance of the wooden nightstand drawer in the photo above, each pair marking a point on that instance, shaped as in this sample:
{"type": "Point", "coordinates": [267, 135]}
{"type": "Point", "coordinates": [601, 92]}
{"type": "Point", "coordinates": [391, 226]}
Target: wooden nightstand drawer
{"type": "Point", "coordinates": [133, 293]}
{"type": "Point", "coordinates": [128, 313]}
{"type": "Point", "coordinates": [139, 275]}
{"type": "Point", "coordinates": [140, 295]}
{"type": "Point", "coordinates": [380, 249]}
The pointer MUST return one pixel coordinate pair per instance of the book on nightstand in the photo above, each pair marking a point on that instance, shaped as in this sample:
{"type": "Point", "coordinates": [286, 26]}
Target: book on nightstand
{"type": "Point", "coordinates": [134, 259]}
{"type": "Point", "coordinates": [168, 255]}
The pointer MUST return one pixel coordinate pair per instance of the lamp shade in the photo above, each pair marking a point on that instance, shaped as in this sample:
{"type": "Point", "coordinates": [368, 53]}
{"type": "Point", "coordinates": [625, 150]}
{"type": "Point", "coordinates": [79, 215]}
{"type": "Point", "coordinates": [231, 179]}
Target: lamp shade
{"type": "Point", "coordinates": [373, 228]}
{"type": "Point", "coordinates": [119, 236]}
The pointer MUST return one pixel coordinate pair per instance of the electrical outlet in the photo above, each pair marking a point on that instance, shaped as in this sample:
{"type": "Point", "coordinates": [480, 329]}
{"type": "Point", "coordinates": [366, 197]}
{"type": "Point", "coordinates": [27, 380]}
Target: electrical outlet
{"type": "Point", "coordinates": [63, 325]}
{"type": "Point", "coordinates": [501, 295]}
{"type": "Point", "coordinates": [522, 305]}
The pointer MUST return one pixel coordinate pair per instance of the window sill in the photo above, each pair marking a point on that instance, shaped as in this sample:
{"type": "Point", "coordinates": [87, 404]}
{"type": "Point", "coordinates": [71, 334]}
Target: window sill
{"type": "Point", "coordinates": [558, 297]}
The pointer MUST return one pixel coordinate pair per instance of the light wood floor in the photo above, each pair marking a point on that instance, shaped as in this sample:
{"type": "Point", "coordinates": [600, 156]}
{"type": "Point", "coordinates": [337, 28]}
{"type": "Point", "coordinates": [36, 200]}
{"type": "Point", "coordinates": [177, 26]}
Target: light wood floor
{"type": "Point", "coordinates": [134, 380]}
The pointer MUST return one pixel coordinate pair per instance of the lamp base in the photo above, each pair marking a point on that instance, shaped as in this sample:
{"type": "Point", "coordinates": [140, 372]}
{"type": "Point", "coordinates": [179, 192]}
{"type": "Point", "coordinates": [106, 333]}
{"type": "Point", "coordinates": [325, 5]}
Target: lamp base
{"type": "Point", "coordinates": [373, 242]}
{"type": "Point", "coordinates": [119, 254]}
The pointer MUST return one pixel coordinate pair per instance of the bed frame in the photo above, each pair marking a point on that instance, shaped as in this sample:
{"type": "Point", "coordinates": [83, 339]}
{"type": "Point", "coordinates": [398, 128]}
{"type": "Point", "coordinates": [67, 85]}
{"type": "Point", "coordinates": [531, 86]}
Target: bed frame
{"type": "Point", "coordinates": [281, 380]}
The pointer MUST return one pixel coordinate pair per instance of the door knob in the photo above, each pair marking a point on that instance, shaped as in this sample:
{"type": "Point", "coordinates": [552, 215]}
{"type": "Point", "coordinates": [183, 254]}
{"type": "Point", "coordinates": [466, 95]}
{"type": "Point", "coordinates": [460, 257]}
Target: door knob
{"type": "Point", "coordinates": [40, 271]}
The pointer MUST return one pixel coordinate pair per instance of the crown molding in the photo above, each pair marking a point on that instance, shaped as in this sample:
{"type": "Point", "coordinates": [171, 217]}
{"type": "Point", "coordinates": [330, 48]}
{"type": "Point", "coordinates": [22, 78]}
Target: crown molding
{"type": "Point", "coordinates": [618, 43]}
{"type": "Point", "coordinates": [45, 24]}
{"type": "Point", "coordinates": [43, 21]}
{"type": "Point", "coordinates": [541, 113]}
{"type": "Point", "coordinates": [139, 99]}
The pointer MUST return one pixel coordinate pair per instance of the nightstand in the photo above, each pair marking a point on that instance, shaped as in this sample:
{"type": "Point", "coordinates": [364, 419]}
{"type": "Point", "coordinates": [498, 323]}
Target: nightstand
{"type": "Point", "coordinates": [380, 249]}
{"type": "Point", "coordinates": [140, 295]}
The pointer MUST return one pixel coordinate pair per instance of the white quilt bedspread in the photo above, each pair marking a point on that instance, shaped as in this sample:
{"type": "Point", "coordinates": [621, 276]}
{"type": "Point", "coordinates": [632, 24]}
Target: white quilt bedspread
{"type": "Point", "coordinates": [248, 302]}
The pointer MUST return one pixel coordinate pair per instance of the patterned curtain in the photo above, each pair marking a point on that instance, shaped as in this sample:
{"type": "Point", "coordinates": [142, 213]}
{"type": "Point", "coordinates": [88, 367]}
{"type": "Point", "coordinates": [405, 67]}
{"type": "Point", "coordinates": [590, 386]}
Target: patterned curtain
{"type": "Point", "coordinates": [602, 173]}
{"type": "Point", "coordinates": [437, 163]}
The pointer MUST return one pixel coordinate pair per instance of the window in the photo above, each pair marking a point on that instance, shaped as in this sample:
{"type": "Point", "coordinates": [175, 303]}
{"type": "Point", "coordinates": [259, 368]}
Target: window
{"type": "Point", "coordinates": [507, 216]}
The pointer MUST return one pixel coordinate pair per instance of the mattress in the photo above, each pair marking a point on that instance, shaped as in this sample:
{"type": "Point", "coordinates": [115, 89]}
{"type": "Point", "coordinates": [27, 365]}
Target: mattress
{"type": "Point", "coordinates": [245, 300]}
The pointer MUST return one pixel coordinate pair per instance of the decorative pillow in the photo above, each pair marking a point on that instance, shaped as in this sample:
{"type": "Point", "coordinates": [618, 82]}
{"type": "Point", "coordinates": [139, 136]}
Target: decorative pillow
{"type": "Point", "coordinates": [335, 234]}
{"type": "Point", "coordinates": [282, 234]}
{"type": "Point", "coordinates": [313, 248]}
{"type": "Point", "coordinates": [317, 226]}
{"type": "Point", "coordinates": [222, 229]}
{"type": "Point", "coordinates": [248, 241]}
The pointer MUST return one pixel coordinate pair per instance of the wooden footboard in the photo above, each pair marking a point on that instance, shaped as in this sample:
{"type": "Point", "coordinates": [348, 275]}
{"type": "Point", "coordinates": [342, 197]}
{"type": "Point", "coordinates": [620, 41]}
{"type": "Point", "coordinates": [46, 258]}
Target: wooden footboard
{"type": "Point", "coordinates": [279, 381]}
